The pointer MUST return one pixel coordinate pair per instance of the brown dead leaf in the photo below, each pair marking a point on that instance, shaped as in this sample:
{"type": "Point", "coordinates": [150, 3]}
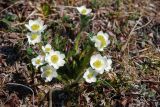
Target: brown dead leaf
{"type": "Point", "coordinates": [13, 101]}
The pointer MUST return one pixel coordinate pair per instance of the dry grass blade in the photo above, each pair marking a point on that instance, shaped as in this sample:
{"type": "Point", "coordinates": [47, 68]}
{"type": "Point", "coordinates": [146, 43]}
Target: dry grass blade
{"type": "Point", "coordinates": [130, 35]}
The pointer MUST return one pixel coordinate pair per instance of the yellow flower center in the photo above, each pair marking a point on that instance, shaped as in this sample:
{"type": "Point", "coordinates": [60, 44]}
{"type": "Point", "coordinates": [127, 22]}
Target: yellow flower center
{"type": "Point", "coordinates": [97, 64]}
{"type": "Point", "coordinates": [48, 72]}
{"type": "Point", "coordinates": [34, 36]}
{"type": "Point", "coordinates": [47, 49]}
{"type": "Point", "coordinates": [35, 27]}
{"type": "Point", "coordinates": [54, 58]}
{"type": "Point", "coordinates": [83, 11]}
{"type": "Point", "coordinates": [38, 61]}
{"type": "Point", "coordinates": [102, 40]}
{"type": "Point", "coordinates": [90, 75]}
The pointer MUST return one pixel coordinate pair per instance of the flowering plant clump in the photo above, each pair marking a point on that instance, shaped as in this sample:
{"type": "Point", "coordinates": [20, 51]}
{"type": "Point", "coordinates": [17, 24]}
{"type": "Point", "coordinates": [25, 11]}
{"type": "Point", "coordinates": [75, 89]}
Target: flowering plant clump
{"type": "Point", "coordinates": [82, 61]}
{"type": "Point", "coordinates": [54, 59]}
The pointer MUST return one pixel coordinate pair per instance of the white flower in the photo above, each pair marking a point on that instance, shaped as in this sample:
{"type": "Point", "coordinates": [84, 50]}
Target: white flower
{"type": "Point", "coordinates": [100, 64]}
{"type": "Point", "coordinates": [38, 61]}
{"type": "Point", "coordinates": [48, 72]}
{"type": "Point", "coordinates": [101, 40]}
{"type": "Point", "coordinates": [90, 75]}
{"type": "Point", "coordinates": [55, 59]}
{"type": "Point", "coordinates": [36, 25]}
{"type": "Point", "coordinates": [47, 48]}
{"type": "Point", "coordinates": [83, 10]}
{"type": "Point", "coordinates": [108, 63]}
{"type": "Point", "coordinates": [34, 38]}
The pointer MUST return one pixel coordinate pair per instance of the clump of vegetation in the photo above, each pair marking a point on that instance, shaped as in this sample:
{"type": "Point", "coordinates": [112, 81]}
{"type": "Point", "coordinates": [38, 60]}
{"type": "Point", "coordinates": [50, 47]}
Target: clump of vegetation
{"type": "Point", "coordinates": [49, 60]}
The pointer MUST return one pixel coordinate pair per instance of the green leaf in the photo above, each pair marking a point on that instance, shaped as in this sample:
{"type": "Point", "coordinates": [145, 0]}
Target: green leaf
{"type": "Point", "coordinates": [71, 53]}
{"type": "Point", "coordinates": [29, 51]}
{"type": "Point", "coordinates": [151, 94]}
{"type": "Point", "coordinates": [10, 17]}
{"type": "Point", "coordinates": [65, 18]}
{"type": "Point", "coordinates": [84, 21]}
{"type": "Point", "coordinates": [5, 24]}
{"type": "Point", "coordinates": [46, 9]}
{"type": "Point", "coordinates": [77, 43]}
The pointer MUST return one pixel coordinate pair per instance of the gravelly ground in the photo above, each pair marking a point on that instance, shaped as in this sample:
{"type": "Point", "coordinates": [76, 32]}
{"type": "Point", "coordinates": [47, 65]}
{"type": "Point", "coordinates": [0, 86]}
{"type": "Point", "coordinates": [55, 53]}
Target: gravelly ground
{"type": "Point", "coordinates": [136, 55]}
